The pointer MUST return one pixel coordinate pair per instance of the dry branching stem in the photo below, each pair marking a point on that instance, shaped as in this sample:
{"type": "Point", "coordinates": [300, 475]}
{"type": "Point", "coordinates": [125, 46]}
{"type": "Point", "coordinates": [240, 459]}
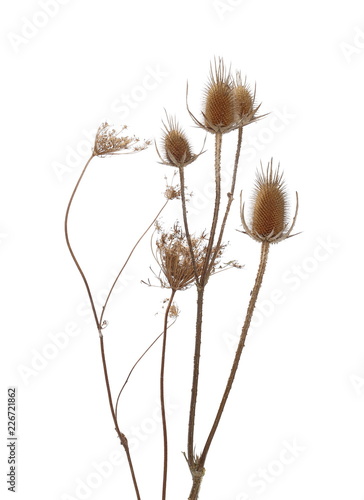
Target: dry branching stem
{"type": "Point", "coordinates": [108, 142]}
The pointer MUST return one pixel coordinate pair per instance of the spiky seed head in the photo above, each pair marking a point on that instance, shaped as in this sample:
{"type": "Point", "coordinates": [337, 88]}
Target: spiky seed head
{"type": "Point", "coordinates": [245, 101]}
{"type": "Point", "coordinates": [175, 145]}
{"type": "Point", "coordinates": [177, 148]}
{"type": "Point", "coordinates": [269, 216]}
{"type": "Point", "coordinates": [219, 107]}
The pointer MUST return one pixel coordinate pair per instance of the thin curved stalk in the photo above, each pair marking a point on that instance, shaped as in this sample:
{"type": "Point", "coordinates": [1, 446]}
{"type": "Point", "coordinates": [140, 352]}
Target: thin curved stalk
{"type": "Point", "coordinates": [253, 299]}
{"type": "Point", "coordinates": [185, 222]}
{"type": "Point", "coordinates": [122, 437]}
{"type": "Point", "coordinates": [127, 260]}
{"type": "Point", "coordinates": [163, 409]}
{"type": "Point", "coordinates": [70, 247]}
{"type": "Point", "coordinates": [135, 365]}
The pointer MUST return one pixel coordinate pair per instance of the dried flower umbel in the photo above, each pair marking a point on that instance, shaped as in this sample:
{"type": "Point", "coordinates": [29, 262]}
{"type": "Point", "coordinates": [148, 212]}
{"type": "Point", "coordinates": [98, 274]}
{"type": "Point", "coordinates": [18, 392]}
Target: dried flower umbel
{"type": "Point", "coordinates": [174, 258]}
{"type": "Point", "coordinates": [110, 142]}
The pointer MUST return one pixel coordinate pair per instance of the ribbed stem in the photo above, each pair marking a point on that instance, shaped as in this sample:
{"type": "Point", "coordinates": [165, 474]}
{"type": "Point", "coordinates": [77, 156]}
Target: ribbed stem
{"type": "Point", "coordinates": [200, 295]}
{"type": "Point", "coordinates": [230, 198]}
{"type": "Point", "coordinates": [197, 478]}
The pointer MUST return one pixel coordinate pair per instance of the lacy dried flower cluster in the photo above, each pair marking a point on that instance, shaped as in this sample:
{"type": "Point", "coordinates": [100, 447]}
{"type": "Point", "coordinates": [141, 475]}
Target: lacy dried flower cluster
{"type": "Point", "coordinates": [110, 142]}
{"type": "Point", "coordinates": [174, 257]}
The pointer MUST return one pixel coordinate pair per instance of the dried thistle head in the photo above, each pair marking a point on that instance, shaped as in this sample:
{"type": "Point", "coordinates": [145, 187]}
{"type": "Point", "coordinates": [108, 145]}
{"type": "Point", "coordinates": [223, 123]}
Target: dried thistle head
{"type": "Point", "coordinates": [174, 257]}
{"type": "Point", "coordinates": [270, 208]}
{"type": "Point", "coordinates": [245, 101]}
{"type": "Point", "coordinates": [219, 103]}
{"type": "Point", "coordinates": [110, 142]}
{"type": "Point", "coordinates": [176, 149]}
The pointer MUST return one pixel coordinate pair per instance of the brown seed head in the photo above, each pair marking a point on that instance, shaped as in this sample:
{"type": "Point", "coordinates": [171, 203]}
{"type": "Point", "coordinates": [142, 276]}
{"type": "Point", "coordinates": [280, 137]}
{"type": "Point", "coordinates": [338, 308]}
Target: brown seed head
{"type": "Point", "coordinates": [176, 147]}
{"type": "Point", "coordinates": [219, 108]}
{"type": "Point", "coordinates": [269, 217]}
{"type": "Point", "coordinates": [245, 101]}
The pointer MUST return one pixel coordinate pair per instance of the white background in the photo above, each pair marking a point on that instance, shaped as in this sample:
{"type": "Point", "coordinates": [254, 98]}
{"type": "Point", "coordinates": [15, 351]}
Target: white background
{"type": "Point", "coordinates": [301, 379]}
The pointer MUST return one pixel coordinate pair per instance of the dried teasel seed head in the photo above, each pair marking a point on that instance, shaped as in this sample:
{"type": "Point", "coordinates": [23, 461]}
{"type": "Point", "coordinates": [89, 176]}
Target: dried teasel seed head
{"type": "Point", "coordinates": [219, 108]}
{"type": "Point", "coordinates": [177, 148]}
{"type": "Point", "coordinates": [269, 215]}
{"type": "Point", "coordinates": [245, 101]}
{"type": "Point", "coordinates": [244, 97]}
{"type": "Point", "coordinates": [270, 208]}
{"type": "Point", "coordinates": [175, 145]}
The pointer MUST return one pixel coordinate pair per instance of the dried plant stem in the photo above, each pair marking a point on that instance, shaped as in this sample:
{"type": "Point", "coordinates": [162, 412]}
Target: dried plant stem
{"type": "Point", "coordinates": [163, 409]}
{"type": "Point", "coordinates": [127, 260]}
{"type": "Point", "coordinates": [98, 322]}
{"type": "Point", "coordinates": [218, 142]}
{"type": "Point", "coordinates": [185, 221]}
{"type": "Point", "coordinates": [253, 298]}
{"type": "Point", "coordinates": [70, 247]}
{"type": "Point", "coordinates": [200, 296]}
{"type": "Point", "coordinates": [122, 437]}
{"type": "Point", "coordinates": [230, 197]}
{"type": "Point", "coordinates": [135, 365]}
